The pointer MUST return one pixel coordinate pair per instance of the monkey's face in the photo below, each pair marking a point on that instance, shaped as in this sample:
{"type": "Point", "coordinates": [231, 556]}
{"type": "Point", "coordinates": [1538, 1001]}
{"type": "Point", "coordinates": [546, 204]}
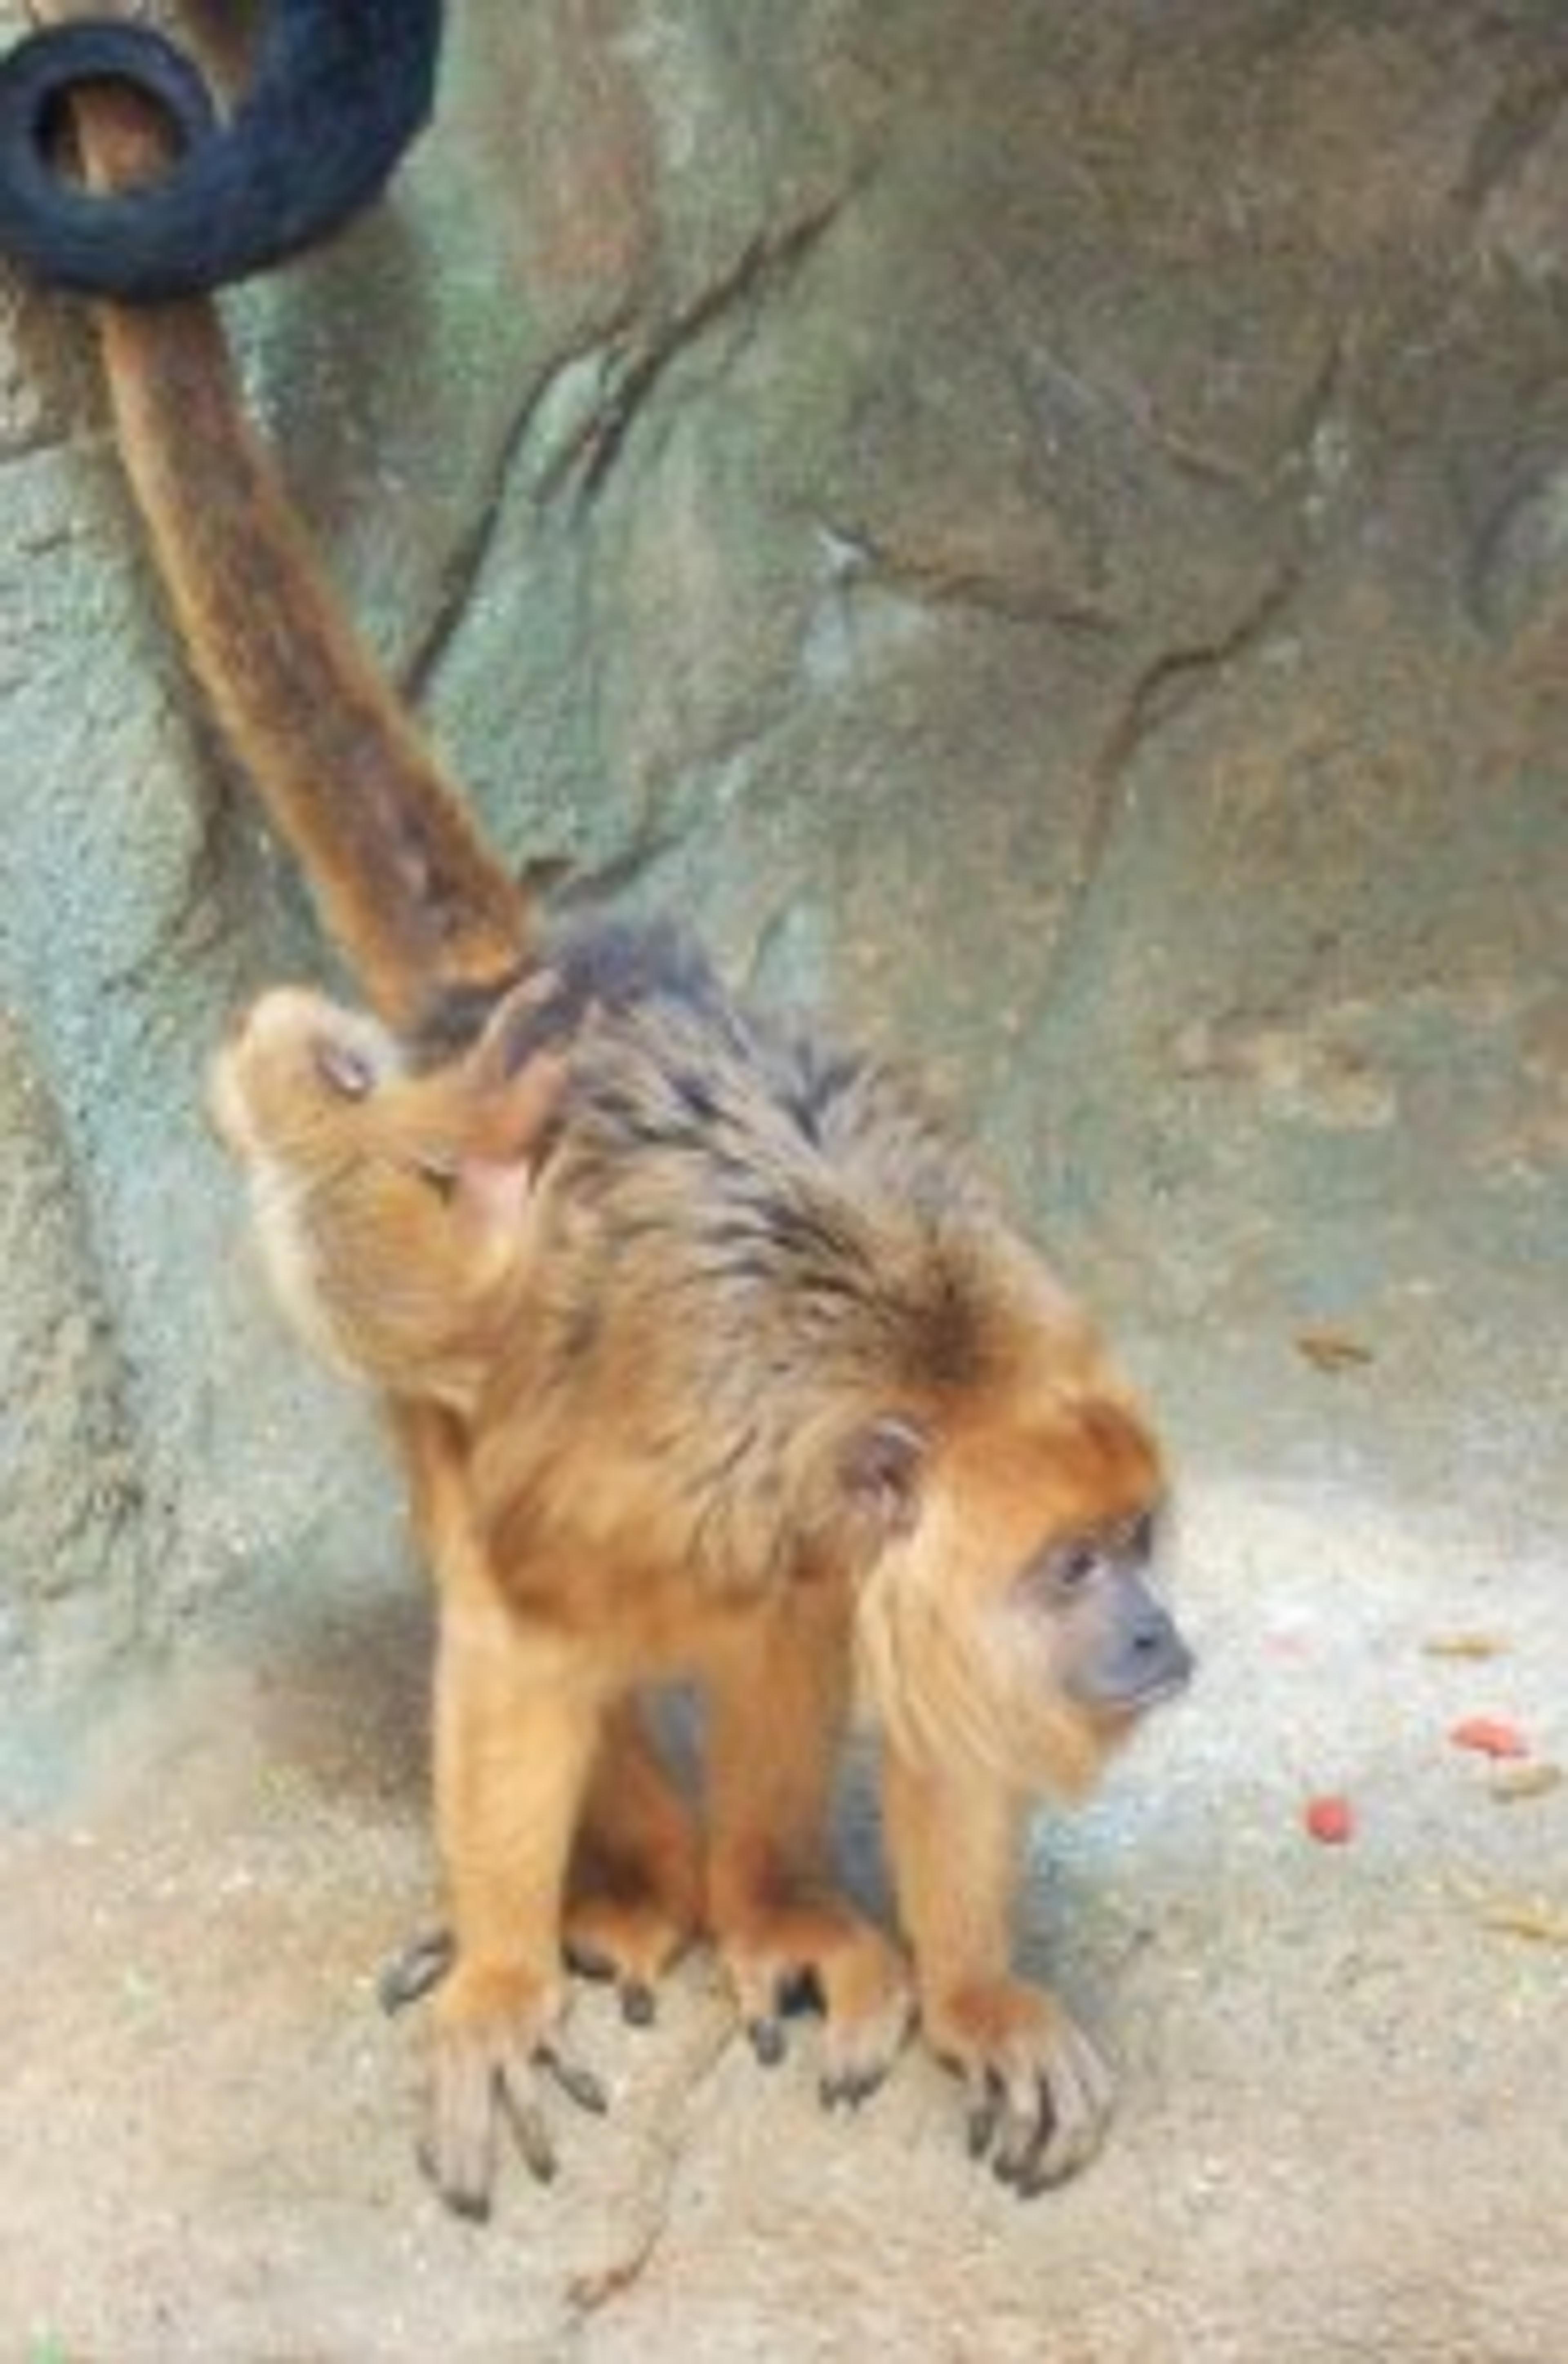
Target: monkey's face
{"type": "Point", "coordinates": [392, 1210]}
{"type": "Point", "coordinates": [1014, 1608]}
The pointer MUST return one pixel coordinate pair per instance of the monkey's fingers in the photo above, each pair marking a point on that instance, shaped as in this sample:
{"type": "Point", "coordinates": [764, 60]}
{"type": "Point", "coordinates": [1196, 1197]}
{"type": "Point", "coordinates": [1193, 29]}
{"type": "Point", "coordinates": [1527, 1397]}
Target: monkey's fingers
{"type": "Point", "coordinates": [473, 2090]}
{"type": "Point", "coordinates": [630, 1943]}
{"type": "Point", "coordinates": [458, 2151]}
{"type": "Point", "coordinates": [414, 1972]}
{"type": "Point", "coordinates": [1077, 2093]}
{"type": "Point", "coordinates": [519, 2102]}
{"type": "Point", "coordinates": [639, 2002]}
{"type": "Point", "coordinates": [860, 2051]}
{"type": "Point", "coordinates": [987, 2101]}
{"type": "Point", "coordinates": [1039, 2095]}
{"type": "Point", "coordinates": [769, 1992]}
{"type": "Point", "coordinates": [497, 2040]}
{"type": "Point", "coordinates": [823, 1955]}
{"type": "Point", "coordinates": [1045, 2109]}
{"type": "Point", "coordinates": [579, 2084]}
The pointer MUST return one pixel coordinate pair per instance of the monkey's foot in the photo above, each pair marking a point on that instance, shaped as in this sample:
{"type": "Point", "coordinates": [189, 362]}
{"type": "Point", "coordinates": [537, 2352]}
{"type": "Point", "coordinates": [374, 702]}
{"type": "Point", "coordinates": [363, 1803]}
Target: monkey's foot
{"type": "Point", "coordinates": [498, 2039]}
{"type": "Point", "coordinates": [632, 1938]}
{"type": "Point", "coordinates": [780, 1958]}
{"type": "Point", "coordinates": [1039, 2094]}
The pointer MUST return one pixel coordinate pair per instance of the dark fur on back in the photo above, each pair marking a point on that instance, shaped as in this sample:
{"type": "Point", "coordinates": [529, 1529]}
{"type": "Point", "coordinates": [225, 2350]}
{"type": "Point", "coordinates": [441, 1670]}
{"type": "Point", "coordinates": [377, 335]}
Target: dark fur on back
{"type": "Point", "coordinates": [339, 89]}
{"type": "Point", "coordinates": [744, 1230]}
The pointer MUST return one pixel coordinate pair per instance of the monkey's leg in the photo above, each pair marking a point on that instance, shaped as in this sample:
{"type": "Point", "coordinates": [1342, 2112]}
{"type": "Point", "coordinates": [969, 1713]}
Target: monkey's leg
{"type": "Point", "coordinates": [778, 1707]}
{"type": "Point", "coordinates": [517, 1720]}
{"type": "Point", "coordinates": [1039, 2094]}
{"type": "Point", "coordinates": [634, 1892]}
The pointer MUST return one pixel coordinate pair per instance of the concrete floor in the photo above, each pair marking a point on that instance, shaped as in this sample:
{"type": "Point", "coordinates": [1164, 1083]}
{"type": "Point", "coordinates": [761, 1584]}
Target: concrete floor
{"type": "Point", "coordinates": [1342, 2131]}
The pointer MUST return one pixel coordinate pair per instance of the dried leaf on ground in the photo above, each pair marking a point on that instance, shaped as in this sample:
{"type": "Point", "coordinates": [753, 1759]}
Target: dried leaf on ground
{"type": "Point", "coordinates": [1464, 1645]}
{"type": "Point", "coordinates": [1333, 1350]}
{"type": "Point", "coordinates": [1516, 1781]}
{"type": "Point", "coordinates": [1542, 1924]}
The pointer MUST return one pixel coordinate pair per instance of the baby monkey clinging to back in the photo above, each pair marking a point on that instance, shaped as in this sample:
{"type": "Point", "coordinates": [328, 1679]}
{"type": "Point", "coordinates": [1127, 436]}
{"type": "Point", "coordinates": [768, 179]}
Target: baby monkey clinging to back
{"type": "Point", "coordinates": [749, 1373]}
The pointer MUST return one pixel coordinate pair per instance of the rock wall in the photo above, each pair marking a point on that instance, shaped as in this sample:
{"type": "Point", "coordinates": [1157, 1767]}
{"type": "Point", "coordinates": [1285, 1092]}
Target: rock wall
{"type": "Point", "coordinates": [1044, 527]}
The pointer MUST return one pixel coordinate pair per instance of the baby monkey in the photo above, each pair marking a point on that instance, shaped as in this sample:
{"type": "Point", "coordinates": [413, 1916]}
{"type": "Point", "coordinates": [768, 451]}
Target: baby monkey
{"type": "Point", "coordinates": [717, 1360]}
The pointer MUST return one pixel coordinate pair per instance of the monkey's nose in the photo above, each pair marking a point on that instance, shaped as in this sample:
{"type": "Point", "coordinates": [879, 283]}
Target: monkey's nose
{"type": "Point", "coordinates": [1167, 1661]}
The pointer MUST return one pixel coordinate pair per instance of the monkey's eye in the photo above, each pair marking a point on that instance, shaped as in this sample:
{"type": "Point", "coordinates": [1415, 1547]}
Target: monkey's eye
{"type": "Point", "coordinates": [343, 1069]}
{"type": "Point", "coordinates": [1076, 1564]}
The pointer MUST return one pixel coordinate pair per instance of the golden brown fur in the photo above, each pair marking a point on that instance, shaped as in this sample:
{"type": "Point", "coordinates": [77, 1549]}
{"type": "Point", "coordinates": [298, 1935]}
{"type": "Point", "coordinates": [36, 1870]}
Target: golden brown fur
{"type": "Point", "coordinates": [711, 1357]}
{"type": "Point", "coordinates": [405, 885]}
{"type": "Point", "coordinates": [778, 1386]}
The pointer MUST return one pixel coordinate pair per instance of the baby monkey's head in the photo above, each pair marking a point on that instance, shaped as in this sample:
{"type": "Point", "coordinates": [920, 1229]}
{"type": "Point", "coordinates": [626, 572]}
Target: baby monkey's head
{"type": "Point", "coordinates": [392, 1206]}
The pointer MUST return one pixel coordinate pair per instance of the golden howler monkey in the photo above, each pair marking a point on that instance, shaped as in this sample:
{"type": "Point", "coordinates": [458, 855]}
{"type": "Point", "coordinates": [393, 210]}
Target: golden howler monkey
{"type": "Point", "coordinates": [710, 1355]}
{"type": "Point", "coordinates": [338, 90]}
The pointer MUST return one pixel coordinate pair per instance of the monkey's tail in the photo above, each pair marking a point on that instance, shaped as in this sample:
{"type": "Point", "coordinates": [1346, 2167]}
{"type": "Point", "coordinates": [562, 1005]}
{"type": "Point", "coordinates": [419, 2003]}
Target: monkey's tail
{"type": "Point", "coordinates": [339, 89]}
{"type": "Point", "coordinates": [404, 884]}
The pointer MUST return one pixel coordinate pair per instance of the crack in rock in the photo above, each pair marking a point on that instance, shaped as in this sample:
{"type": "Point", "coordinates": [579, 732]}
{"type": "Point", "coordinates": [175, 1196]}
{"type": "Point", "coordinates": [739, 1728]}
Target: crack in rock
{"type": "Point", "coordinates": [589, 2291]}
{"type": "Point", "coordinates": [1172, 679]}
{"type": "Point", "coordinates": [762, 262]}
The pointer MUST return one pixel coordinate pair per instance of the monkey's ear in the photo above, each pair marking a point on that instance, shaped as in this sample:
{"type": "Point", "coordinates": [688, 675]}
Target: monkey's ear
{"type": "Point", "coordinates": [882, 1469]}
{"type": "Point", "coordinates": [502, 1045]}
{"type": "Point", "coordinates": [519, 1116]}
{"type": "Point", "coordinates": [497, 1169]}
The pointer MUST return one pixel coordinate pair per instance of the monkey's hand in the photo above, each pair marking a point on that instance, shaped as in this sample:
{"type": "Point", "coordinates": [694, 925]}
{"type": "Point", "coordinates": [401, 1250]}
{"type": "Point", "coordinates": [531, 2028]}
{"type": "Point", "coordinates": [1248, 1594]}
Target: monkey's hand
{"type": "Point", "coordinates": [497, 2036]}
{"type": "Point", "coordinates": [1039, 2094]}
{"type": "Point", "coordinates": [821, 1950]}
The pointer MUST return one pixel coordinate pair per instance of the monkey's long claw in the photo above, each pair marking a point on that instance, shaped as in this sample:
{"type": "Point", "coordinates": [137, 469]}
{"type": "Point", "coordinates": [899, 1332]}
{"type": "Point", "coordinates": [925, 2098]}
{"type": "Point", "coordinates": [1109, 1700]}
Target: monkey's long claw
{"type": "Point", "coordinates": [638, 2003]}
{"type": "Point", "coordinates": [848, 2088]}
{"type": "Point", "coordinates": [986, 2104]}
{"type": "Point", "coordinates": [531, 2136]}
{"type": "Point", "coordinates": [767, 2040]}
{"type": "Point", "coordinates": [414, 1972]}
{"type": "Point", "coordinates": [769, 1997]}
{"type": "Point", "coordinates": [579, 2085]}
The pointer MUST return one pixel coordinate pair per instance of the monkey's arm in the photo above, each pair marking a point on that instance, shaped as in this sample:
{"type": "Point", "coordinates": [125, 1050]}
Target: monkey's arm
{"type": "Point", "coordinates": [634, 1893]}
{"type": "Point", "coordinates": [633, 1899]}
{"type": "Point", "coordinates": [1039, 2094]}
{"type": "Point", "coordinates": [405, 884]}
{"type": "Point", "coordinates": [337, 93]}
{"type": "Point", "coordinates": [517, 1721]}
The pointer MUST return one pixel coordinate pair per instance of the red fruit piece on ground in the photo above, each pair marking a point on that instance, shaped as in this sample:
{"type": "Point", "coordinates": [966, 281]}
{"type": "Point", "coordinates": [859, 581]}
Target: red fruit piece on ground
{"type": "Point", "coordinates": [1330, 1821]}
{"type": "Point", "coordinates": [1489, 1735]}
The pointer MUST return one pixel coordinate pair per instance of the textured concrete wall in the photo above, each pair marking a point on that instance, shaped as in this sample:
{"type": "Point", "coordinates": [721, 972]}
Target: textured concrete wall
{"type": "Point", "coordinates": [1043, 526]}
